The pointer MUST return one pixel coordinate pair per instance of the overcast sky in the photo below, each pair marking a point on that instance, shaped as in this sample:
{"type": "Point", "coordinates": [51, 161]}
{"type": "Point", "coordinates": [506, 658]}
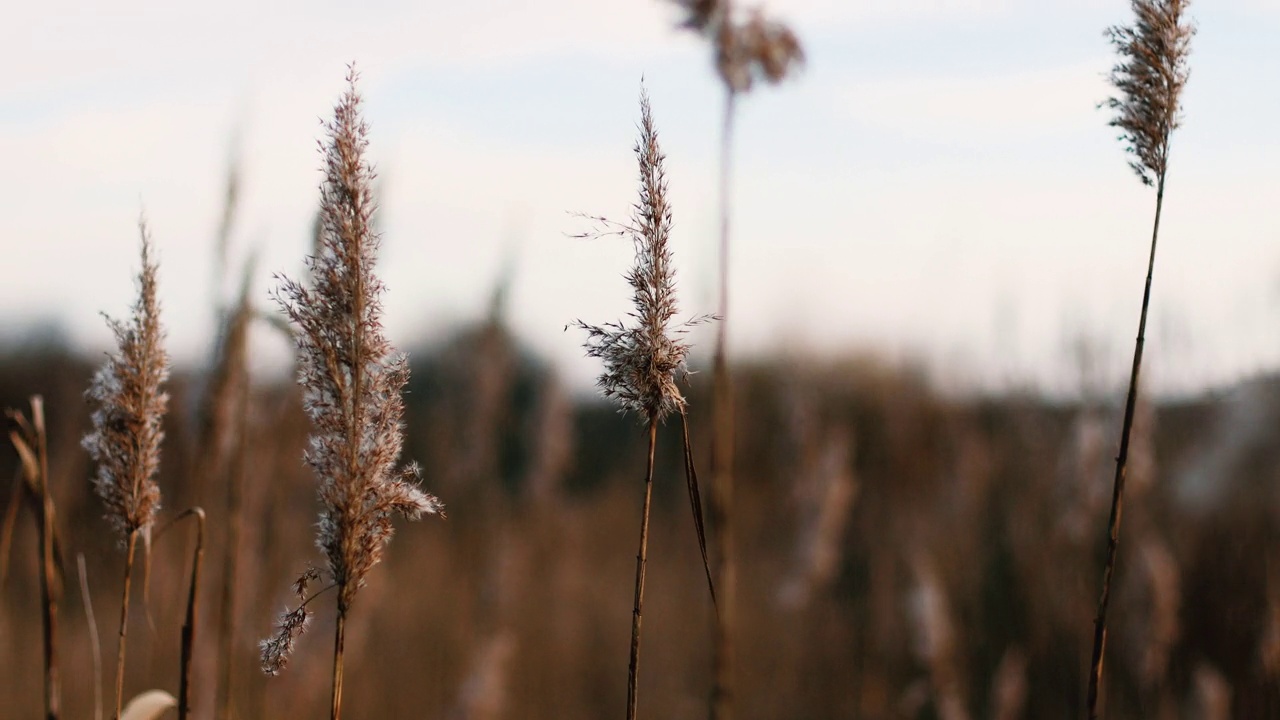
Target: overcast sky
{"type": "Point", "coordinates": [937, 184]}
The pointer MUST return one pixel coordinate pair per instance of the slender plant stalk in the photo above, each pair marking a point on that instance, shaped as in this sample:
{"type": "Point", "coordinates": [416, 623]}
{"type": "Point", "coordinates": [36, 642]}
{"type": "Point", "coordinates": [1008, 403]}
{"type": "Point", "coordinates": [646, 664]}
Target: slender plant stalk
{"type": "Point", "coordinates": [339, 644]}
{"type": "Point", "coordinates": [124, 620]}
{"type": "Point", "coordinates": [1150, 78]}
{"type": "Point", "coordinates": [226, 415]}
{"type": "Point", "coordinates": [228, 625]}
{"type": "Point", "coordinates": [747, 47]}
{"type": "Point", "coordinates": [49, 584]}
{"type": "Point", "coordinates": [1117, 495]}
{"type": "Point", "coordinates": [30, 441]}
{"type": "Point", "coordinates": [95, 645]}
{"type": "Point", "coordinates": [193, 611]}
{"type": "Point", "coordinates": [633, 667]}
{"type": "Point", "coordinates": [722, 447]}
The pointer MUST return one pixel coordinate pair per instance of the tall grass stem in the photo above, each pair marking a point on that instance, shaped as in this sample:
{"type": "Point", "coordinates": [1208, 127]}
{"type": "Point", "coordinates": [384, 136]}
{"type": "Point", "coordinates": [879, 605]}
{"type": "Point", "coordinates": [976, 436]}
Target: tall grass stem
{"type": "Point", "coordinates": [722, 446]}
{"type": "Point", "coordinates": [633, 667]}
{"type": "Point", "coordinates": [124, 619]}
{"type": "Point", "coordinates": [1117, 497]}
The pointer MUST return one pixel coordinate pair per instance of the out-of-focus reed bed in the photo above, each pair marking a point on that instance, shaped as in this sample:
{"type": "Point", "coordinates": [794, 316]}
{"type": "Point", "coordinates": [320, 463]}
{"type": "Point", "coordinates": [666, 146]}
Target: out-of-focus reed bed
{"type": "Point", "coordinates": [906, 554]}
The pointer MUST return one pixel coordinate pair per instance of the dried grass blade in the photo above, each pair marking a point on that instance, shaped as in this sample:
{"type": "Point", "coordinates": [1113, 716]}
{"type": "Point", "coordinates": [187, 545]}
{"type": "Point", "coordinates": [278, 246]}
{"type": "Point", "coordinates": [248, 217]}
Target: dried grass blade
{"type": "Point", "coordinates": [695, 502]}
{"type": "Point", "coordinates": [95, 645]}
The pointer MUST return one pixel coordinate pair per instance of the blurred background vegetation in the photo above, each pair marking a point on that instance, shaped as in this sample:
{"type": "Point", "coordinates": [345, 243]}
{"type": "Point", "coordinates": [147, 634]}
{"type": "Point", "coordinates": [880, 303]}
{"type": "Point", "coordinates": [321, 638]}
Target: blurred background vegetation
{"type": "Point", "coordinates": [905, 552]}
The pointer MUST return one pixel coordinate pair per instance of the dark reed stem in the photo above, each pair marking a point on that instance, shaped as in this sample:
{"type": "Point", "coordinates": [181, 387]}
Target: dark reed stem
{"type": "Point", "coordinates": [633, 667]}
{"type": "Point", "coordinates": [1117, 496]}
{"type": "Point", "coordinates": [339, 641]}
{"type": "Point", "coordinates": [124, 620]}
{"type": "Point", "coordinates": [30, 442]}
{"type": "Point", "coordinates": [193, 610]}
{"type": "Point", "coordinates": [49, 581]}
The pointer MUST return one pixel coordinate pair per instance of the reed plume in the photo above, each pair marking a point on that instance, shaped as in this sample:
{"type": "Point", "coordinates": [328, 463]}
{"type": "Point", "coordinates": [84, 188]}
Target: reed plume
{"type": "Point", "coordinates": [644, 360]}
{"type": "Point", "coordinates": [1149, 77]}
{"type": "Point", "coordinates": [127, 432]}
{"type": "Point", "coordinates": [747, 48]}
{"type": "Point", "coordinates": [352, 381]}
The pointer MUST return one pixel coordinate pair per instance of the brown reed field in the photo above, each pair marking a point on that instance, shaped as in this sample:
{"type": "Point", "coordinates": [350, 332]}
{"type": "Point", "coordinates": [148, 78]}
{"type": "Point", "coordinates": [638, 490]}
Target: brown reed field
{"type": "Point", "coordinates": [203, 541]}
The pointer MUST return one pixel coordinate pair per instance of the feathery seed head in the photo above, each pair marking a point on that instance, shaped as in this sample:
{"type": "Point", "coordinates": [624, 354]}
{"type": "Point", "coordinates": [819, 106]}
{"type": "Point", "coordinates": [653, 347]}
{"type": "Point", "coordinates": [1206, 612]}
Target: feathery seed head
{"type": "Point", "coordinates": [1150, 77]}
{"type": "Point", "coordinates": [275, 650]}
{"type": "Point", "coordinates": [130, 406]}
{"type": "Point", "coordinates": [747, 46]}
{"type": "Point", "coordinates": [644, 360]}
{"type": "Point", "coordinates": [352, 378]}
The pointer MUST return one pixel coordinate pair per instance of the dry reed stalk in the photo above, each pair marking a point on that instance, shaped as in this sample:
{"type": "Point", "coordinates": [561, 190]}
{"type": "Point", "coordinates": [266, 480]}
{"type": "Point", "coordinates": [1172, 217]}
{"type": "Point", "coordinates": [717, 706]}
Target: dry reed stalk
{"type": "Point", "coordinates": [227, 223]}
{"type": "Point", "coordinates": [29, 439]}
{"type": "Point", "coordinates": [747, 47]}
{"type": "Point", "coordinates": [352, 382]}
{"type": "Point", "coordinates": [10, 521]}
{"type": "Point", "coordinates": [642, 556]}
{"type": "Point", "coordinates": [126, 436]}
{"type": "Point", "coordinates": [644, 361]}
{"type": "Point", "coordinates": [122, 637]}
{"type": "Point", "coordinates": [226, 391]}
{"type": "Point", "coordinates": [95, 645]}
{"type": "Point", "coordinates": [193, 608]}
{"type": "Point", "coordinates": [1150, 78]}
{"type": "Point", "coordinates": [230, 396]}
